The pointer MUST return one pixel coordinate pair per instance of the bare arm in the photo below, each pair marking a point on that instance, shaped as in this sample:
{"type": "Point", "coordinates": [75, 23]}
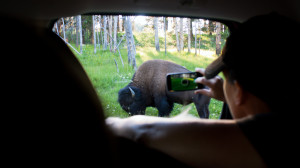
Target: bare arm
{"type": "Point", "coordinates": [198, 143]}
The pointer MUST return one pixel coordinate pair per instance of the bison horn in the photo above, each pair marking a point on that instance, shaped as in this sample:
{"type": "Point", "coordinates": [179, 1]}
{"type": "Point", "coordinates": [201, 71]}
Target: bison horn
{"type": "Point", "coordinates": [132, 92]}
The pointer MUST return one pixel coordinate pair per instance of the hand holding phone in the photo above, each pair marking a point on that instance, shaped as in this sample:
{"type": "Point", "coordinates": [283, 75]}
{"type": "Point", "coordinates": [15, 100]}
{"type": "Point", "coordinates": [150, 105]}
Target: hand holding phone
{"type": "Point", "coordinates": [183, 81]}
{"type": "Point", "coordinates": [214, 86]}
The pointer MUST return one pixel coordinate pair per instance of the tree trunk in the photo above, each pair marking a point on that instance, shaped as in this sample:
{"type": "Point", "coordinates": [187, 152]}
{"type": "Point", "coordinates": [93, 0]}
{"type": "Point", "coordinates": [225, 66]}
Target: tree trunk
{"type": "Point", "coordinates": [120, 23]}
{"type": "Point", "coordinates": [189, 35]}
{"type": "Point", "coordinates": [115, 32]}
{"type": "Point", "coordinates": [165, 30]}
{"type": "Point", "coordinates": [63, 26]}
{"type": "Point", "coordinates": [71, 22]}
{"type": "Point", "coordinates": [100, 32]}
{"type": "Point", "coordinates": [195, 38]}
{"type": "Point", "coordinates": [191, 29]}
{"type": "Point", "coordinates": [199, 35]}
{"type": "Point", "coordinates": [104, 33]}
{"type": "Point", "coordinates": [156, 34]}
{"type": "Point", "coordinates": [110, 32]}
{"type": "Point", "coordinates": [132, 25]}
{"type": "Point", "coordinates": [176, 32]}
{"type": "Point", "coordinates": [130, 43]}
{"type": "Point", "coordinates": [94, 34]}
{"type": "Point", "coordinates": [218, 38]}
{"type": "Point", "coordinates": [77, 32]}
{"type": "Point", "coordinates": [181, 34]}
{"type": "Point", "coordinates": [56, 28]}
{"type": "Point", "coordinates": [59, 28]}
{"type": "Point", "coordinates": [97, 39]}
{"type": "Point", "coordinates": [80, 32]}
{"type": "Point", "coordinates": [127, 39]}
{"type": "Point", "coordinates": [167, 23]}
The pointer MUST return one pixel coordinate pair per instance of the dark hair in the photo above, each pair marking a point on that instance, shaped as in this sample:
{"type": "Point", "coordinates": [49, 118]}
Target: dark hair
{"type": "Point", "coordinates": [262, 51]}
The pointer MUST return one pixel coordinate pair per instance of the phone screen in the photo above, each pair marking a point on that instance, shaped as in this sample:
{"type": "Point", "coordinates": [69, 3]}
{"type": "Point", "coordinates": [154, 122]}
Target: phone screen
{"type": "Point", "coordinates": [183, 81]}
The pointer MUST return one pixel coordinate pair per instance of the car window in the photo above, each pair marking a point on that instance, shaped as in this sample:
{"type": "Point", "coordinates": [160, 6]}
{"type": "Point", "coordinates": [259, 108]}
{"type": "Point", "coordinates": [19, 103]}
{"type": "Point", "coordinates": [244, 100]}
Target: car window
{"type": "Point", "coordinates": [112, 47]}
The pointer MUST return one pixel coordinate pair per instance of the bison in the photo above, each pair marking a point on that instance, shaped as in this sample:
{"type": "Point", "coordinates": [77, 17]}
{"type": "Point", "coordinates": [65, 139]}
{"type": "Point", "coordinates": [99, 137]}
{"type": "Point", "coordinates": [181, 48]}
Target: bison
{"type": "Point", "coordinates": [148, 88]}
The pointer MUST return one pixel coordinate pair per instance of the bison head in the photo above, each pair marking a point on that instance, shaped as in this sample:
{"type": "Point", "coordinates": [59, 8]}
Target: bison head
{"type": "Point", "coordinates": [131, 100]}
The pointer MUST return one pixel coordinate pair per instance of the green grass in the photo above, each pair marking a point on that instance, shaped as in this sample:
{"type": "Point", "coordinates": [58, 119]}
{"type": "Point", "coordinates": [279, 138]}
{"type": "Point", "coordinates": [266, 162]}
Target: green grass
{"type": "Point", "coordinates": [101, 69]}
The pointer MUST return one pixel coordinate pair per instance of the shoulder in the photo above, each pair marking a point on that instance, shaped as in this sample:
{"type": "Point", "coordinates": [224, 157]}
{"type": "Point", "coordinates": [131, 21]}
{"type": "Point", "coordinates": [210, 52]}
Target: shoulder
{"type": "Point", "coordinates": [273, 137]}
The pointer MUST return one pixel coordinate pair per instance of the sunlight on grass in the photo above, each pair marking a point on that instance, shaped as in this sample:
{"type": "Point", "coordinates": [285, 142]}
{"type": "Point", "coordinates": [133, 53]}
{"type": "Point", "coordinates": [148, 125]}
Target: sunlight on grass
{"type": "Point", "coordinates": [188, 60]}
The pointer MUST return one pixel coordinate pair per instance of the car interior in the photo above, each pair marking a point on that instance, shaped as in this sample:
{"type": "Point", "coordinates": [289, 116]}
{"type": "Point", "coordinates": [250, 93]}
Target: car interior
{"type": "Point", "coordinates": [52, 113]}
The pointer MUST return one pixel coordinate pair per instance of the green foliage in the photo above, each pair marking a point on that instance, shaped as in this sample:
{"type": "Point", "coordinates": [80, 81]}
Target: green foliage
{"type": "Point", "coordinates": [207, 42]}
{"type": "Point", "coordinates": [87, 28]}
{"type": "Point", "coordinates": [102, 71]}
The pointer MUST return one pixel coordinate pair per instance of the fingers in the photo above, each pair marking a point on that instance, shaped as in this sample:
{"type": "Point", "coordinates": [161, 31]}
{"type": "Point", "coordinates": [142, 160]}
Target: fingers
{"type": "Point", "coordinates": [215, 86]}
{"type": "Point", "coordinates": [200, 70]}
{"type": "Point", "coordinates": [112, 120]}
{"type": "Point", "coordinates": [202, 80]}
{"type": "Point", "coordinates": [113, 123]}
{"type": "Point", "coordinates": [206, 92]}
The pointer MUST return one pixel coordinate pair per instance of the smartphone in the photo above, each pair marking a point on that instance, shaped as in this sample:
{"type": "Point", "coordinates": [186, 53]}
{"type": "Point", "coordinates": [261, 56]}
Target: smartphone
{"type": "Point", "coordinates": [183, 81]}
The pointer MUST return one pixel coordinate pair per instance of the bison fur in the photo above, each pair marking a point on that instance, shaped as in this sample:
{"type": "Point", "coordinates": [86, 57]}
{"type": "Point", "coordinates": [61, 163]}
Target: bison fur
{"type": "Point", "coordinates": [148, 88]}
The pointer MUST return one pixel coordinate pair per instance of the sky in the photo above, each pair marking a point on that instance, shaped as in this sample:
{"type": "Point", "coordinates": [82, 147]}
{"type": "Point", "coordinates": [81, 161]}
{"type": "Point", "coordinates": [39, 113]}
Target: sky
{"type": "Point", "coordinates": [141, 20]}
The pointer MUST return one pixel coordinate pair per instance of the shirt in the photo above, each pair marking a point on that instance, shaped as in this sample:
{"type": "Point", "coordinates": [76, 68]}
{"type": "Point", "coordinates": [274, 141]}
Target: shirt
{"type": "Point", "coordinates": [274, 136]}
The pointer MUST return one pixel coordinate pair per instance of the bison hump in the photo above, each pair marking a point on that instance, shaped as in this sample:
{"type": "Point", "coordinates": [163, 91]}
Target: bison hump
{"type": "Point", "coordinates": [151, 75]}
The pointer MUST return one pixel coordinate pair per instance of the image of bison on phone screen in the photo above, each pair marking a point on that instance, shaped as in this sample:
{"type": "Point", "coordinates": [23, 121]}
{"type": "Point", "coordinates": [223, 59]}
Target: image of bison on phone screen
{"type": "Point", "coordinates": [148, 88]}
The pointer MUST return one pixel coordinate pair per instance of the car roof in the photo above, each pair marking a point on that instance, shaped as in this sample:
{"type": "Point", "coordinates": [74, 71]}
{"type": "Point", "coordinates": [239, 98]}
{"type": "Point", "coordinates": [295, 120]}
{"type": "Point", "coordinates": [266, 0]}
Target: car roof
{"type": "Point", "coordinates": [233, 10]}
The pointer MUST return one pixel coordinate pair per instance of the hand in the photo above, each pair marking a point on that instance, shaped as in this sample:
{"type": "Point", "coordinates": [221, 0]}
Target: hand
{"type": "Point", "coordinates": [120, 127]}
{"type": "Point", "coordinates": [215, 86]}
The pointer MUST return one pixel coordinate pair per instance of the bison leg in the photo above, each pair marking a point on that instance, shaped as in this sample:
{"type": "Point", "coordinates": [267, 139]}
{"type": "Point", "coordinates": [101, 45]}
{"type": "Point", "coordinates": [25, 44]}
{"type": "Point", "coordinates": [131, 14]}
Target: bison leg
{"type": "Point", "coordinates": [163, 106]}
{"type": "Point", "coordinates": [137, 109]}
{"type": "Point", "coordinates": [202, 103]}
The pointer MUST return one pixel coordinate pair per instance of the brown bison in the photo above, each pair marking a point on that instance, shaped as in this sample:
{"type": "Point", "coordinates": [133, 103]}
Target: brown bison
{"type": "Point", "coordinates": [148, 88]}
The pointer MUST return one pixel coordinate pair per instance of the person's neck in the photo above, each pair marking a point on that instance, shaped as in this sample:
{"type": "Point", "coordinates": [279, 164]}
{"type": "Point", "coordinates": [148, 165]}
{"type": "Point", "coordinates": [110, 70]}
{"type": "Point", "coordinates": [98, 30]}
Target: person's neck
{"type": "Point", "coordinates": [252, 106]}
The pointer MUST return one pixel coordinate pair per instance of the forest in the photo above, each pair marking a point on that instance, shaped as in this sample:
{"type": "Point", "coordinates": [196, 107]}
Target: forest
{"type": "Point", "coordinates": [111, 47]}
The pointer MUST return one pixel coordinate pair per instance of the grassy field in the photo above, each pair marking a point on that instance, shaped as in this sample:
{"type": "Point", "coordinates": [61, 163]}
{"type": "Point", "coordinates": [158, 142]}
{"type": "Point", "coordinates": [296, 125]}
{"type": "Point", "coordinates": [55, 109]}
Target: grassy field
{"type": "Point", "coordinates": [107, 81]}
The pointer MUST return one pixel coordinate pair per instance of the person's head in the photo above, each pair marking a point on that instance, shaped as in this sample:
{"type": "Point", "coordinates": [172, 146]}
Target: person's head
{"type": "Point", "coordinates": [260, 57]}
